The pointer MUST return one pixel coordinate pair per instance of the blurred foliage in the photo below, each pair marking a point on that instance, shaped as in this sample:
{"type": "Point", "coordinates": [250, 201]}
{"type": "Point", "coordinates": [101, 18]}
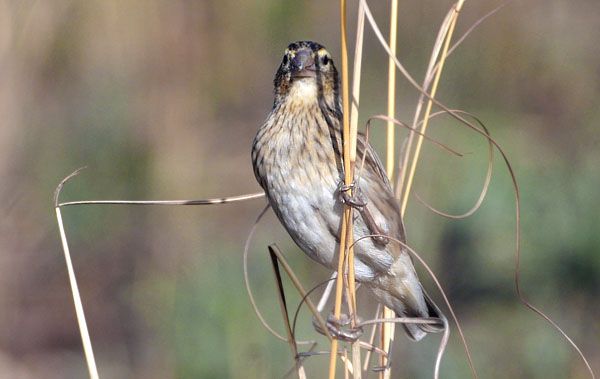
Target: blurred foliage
{"type": "Point", "coordinates": [162, 99]}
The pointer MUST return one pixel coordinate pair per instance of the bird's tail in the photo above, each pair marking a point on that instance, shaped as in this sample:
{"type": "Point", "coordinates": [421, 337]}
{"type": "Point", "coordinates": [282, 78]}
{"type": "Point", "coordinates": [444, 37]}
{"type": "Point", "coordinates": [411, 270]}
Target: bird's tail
{"type": "Point", "coordinates": [416, 332]}
{"type": "Point", "coordinates": [409, 300]}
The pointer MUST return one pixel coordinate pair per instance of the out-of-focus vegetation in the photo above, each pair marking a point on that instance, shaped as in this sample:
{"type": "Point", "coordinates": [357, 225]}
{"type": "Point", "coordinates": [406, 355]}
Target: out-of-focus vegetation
{"type": "Point", "coordinates": [161, 100]}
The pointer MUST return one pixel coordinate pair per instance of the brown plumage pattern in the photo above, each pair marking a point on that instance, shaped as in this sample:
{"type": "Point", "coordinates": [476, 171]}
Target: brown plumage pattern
{"type": "Point", "coordinates": [297, 160]}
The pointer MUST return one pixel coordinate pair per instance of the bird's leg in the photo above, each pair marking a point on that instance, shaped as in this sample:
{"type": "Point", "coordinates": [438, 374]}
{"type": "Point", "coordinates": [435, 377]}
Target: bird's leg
{"type": "Point", "coordinates": [359, 202]}
{"type": "Point", "coordinates": [380, 239]}
{"type": "Point", "coordinates": [339, 328]}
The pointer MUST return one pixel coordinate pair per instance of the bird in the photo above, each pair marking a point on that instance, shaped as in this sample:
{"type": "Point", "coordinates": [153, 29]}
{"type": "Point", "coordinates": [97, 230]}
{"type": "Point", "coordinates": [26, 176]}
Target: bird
{"type": "Point", "coordinates": [297, 160]}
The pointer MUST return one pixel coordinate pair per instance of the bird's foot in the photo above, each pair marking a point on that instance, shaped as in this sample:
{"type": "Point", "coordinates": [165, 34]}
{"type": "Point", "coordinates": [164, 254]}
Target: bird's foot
{"type": "Point", "coordinates": [358, 201]}
{"type": "Point", "coordinates": [340, 328]}
{"type": "Point", "coordinates": [352, 195]}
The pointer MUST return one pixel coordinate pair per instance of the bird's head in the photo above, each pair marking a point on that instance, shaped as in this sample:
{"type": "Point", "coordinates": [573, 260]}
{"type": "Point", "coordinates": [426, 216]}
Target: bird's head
{"type": "Point", "coordinates": [306, 72]}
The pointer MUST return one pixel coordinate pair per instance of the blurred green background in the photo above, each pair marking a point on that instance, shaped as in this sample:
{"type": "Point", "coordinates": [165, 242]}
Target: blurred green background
{"type": "Point", "coordinates": [161, 101]}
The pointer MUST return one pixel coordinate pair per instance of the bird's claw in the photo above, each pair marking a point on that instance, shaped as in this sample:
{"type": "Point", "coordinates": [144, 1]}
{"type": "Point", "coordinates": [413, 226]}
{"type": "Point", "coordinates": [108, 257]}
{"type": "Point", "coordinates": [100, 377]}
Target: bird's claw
{"type": "Point", "coordinates": [356, 200]}
{"type": "Point", "coordinates": [339, 328]}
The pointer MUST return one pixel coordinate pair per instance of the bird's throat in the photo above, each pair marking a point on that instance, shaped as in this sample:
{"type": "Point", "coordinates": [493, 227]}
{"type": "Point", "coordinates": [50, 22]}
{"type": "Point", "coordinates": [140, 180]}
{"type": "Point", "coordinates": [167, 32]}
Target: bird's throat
{"type": "Point", "coordinates": [303, 92]}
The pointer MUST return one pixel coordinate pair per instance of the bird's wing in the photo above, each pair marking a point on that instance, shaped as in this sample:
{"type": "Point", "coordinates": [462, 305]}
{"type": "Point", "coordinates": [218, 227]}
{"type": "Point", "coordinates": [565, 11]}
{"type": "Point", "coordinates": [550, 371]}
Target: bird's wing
{"type": "Point", "coordinates": [382, 206]}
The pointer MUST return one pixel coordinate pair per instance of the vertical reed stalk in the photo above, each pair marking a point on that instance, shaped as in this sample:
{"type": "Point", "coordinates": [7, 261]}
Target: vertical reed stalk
{"type": "Point", "coordinates": [356, 76]}
{"type": "Point", "coordinates": [346, 235]}
{"type": "Point", "coordinates": [391, 104]}
{"type": "Point", "coordinates": [434, 86]}
{"type": "Point", "coordinates": [387, 329]}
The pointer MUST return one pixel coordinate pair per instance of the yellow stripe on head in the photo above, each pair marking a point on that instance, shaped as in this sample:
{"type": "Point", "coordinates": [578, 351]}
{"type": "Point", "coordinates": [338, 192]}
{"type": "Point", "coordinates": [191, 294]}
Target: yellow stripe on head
{"type": "Point", "coordinates": [323, 53]}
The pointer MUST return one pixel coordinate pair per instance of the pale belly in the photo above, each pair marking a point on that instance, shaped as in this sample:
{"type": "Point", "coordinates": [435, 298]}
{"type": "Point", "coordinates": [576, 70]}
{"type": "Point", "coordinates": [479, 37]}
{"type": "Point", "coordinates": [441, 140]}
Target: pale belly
{"type": "Point", "coordinates": [312, 216]}
{"type": "Point", "coordinates": [295, 162]}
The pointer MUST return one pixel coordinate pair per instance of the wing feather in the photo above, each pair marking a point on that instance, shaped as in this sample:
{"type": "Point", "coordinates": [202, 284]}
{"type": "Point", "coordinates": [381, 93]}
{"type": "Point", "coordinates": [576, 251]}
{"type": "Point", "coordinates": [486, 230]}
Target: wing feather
{"type": "Point", "coordinates": [382, 205]}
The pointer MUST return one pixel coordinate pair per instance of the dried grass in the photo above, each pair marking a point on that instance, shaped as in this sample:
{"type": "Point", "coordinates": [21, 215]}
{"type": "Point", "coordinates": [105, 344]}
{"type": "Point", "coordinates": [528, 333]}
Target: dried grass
{"type": "Point", "coordinates": [406, 169]}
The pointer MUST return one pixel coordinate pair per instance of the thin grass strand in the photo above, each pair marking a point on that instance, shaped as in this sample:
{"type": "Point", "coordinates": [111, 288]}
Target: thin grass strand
{"type": "Point", "coordinates": [486, 182]}
{"type": "Point", "coordinates": [513, 179]}
{"type": "Point", "coordinates": [79, 312]}
{"type": "Point", "coordinates": [444, 340]}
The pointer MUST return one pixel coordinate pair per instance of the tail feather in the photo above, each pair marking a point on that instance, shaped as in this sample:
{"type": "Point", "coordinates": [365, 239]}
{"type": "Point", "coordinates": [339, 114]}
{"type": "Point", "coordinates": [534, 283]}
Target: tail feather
{"type": "Point", "coordinates": [416, 303]}
{"type": "Point", "coordinates": [416, 332]}
{"type": "Point", "coordinates": [434, 311]}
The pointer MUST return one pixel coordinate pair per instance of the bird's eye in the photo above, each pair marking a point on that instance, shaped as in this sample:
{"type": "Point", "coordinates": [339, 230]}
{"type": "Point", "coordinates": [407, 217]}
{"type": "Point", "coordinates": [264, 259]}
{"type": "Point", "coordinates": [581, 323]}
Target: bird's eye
{"type": "Point", "coordinates": [325, 60]}
{"type": "Point", "coordinates": [285, 59]}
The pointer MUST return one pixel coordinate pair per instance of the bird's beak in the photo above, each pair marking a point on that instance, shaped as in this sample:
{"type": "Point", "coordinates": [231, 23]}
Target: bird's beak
{"type": "Point", "coordinates": [303, 65]}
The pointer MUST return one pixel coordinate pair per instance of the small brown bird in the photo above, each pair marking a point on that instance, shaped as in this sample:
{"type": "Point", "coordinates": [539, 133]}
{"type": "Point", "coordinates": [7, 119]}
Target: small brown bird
{"type": "Point", "coordinates": [297, 159]}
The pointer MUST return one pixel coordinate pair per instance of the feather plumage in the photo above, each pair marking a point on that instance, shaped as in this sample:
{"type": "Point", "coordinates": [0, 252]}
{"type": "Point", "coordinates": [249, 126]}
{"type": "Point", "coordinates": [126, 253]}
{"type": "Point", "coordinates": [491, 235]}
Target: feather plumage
{"type": "Point", "coordinates": [297, 160]}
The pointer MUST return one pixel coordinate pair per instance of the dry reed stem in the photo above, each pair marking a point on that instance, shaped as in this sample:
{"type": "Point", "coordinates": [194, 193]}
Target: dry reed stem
{"type": "Point", "coordinates": [356, 76]}
{"type": "Point", "coordinates": [350, 138]}
{"type": "Point", "coordinates": [285, 314]}
{"type": "Point", "coordinates": [437, 46]}
{"type": "Point", "coordinates": [214, 201]}
{"type": "Point", "coordinates": [465, 123]}
{"type": "Point", "coordinates": [338, 294]}
{"type": "Point", "coordinates": [346, 233]}
{"type": "Point", "coordinates": [273, 249]}
{"type": "Point", "coordinates": [327, 292]}
{"type": "Point", "coordinates": [409, 77]}
{"type": "Point", "coordinates": [413, 166]}
{"type": "Point", "coordinates": [79, 312]}
{"type": "Point", "coordinates": [403, 159]}
{"type": "Point", "coordinates": [247, 279]}
{"type": "Point", "coordinates": [348, 369]}
{"type": "Point", "coordinates": [356, 359]}
{"type": "Point", "coordinates": [391, 100]}
{"type": "Point", "coordinates": [372, 338]}
{"type": "Point", "coordinates": [387, 330]}
{"type": "Point", "coordinates": [512, 175]}
{"type": "Point", "coordinates": [83, 330]}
